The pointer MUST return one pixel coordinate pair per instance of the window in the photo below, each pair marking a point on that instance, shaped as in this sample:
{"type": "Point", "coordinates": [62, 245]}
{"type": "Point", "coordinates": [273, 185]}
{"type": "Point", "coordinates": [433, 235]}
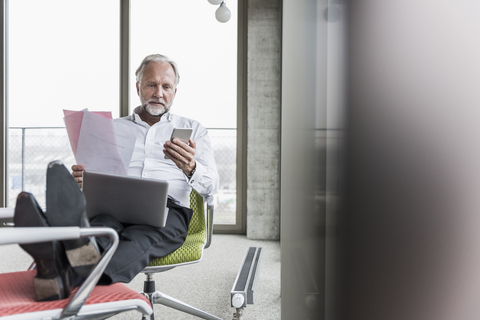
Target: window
{"type": "Point", "coordinates": [64, 54]}
{"type": "Point", "coordinates": [206, 52]}
{"type": "Point", "coordinates": [61, 55]}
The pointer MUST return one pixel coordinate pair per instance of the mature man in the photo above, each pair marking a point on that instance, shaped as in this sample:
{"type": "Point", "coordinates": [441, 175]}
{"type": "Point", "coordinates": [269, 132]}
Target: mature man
{"type": "Point", "coordinates": [189, 165]}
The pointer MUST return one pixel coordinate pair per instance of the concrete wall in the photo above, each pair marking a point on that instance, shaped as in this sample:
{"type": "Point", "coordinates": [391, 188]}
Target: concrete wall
{"type": "Point", "coordinates": [263, 119]}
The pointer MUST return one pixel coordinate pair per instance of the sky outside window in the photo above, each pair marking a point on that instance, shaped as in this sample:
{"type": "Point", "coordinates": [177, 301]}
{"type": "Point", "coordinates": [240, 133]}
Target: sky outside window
{"type": "Point", "coordinates": [205, 50]}
{"type": "Point", "coordinates": [62, 54]}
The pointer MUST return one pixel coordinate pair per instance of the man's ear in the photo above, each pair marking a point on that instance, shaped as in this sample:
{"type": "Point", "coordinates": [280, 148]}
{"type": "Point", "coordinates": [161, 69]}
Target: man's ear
{"type": "Point", "coordinates": [138, 88]}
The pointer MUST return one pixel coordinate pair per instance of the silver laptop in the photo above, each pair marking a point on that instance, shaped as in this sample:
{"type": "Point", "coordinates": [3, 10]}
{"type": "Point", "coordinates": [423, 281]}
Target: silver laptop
{"type": "Point", "coordinates": [130, 200]}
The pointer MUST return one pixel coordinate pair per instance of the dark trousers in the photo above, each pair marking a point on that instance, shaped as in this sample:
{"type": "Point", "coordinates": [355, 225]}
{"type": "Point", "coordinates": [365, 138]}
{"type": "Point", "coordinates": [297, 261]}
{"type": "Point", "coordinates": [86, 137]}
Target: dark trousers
{"type": "Point", "coordinates": [140, 244]}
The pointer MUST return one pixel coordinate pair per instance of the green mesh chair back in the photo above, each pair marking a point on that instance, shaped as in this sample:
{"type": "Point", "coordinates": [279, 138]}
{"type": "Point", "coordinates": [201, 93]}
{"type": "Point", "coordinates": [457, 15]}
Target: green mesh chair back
{"type": "Point", "coordinates": [192, 248]}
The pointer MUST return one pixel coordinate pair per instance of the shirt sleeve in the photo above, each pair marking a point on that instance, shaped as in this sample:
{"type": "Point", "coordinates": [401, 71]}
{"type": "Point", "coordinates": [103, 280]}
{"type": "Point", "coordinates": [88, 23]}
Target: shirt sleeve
{"type": "Point", "coordinates": [205, 179]}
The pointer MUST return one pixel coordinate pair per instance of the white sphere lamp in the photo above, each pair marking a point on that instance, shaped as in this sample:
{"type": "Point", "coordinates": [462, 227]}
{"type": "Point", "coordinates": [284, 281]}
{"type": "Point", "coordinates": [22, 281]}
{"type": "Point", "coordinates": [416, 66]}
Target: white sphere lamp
{"type": "Point", "coordinates": [215, 1]}
{"type": "Point", "coordinates": [222, 14]}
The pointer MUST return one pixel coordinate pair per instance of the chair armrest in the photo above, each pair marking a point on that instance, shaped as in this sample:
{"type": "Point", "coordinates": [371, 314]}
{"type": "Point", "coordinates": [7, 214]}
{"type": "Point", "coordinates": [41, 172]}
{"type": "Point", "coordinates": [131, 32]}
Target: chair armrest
{"type": "Point", "coordinates": [78, 300]}
{"type": "Point", "coordinates": [6, 213]}
{"type": "Point", "coordinates": [6, 216]}
{"type": "Point", "coordinates": [210, 208]}
{"type": "Point", "coordinates": [41, 234]}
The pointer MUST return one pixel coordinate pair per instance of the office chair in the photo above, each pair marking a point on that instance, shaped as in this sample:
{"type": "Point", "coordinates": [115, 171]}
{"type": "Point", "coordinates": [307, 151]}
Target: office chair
{"type": "Point", "coordinates": [198, 238]}
{"type": "Point", "coordinates": [88, 302]}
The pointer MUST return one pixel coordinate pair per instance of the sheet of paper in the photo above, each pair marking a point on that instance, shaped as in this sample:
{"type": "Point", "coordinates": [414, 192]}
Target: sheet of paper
{"type": "Point", "coordinates": [73, 123]}
{"type": "Point", "coordinates": [103, 145]}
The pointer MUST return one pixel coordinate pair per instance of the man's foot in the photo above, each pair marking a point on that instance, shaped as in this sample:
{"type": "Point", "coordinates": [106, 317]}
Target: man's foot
{"type": "Point", "coordinates": [54, 279]}
{"type": "Point", "coordinates": [66, 207]}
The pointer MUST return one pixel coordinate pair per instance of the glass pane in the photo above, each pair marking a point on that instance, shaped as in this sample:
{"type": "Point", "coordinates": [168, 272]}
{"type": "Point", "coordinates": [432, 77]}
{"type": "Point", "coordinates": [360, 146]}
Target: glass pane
{"type": "Point", "coordinates": [206, 52]}
{"type": "Point", "coordinates": [62, 54]}
{"type": "Point", "coordinates": [30, 150]}
{"type": "Point", "coordinates": [224, 145]}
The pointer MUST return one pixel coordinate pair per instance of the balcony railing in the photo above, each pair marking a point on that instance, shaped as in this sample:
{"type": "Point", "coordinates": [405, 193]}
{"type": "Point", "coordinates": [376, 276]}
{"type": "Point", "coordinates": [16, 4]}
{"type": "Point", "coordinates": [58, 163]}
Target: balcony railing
{"type": "Point", "coordinates": [31, 149]}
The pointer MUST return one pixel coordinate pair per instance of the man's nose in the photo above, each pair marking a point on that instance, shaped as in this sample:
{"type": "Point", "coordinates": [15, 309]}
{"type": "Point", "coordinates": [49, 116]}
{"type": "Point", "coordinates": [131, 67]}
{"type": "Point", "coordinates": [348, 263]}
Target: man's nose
{"type": "Point", "coordinates": [158, 92]}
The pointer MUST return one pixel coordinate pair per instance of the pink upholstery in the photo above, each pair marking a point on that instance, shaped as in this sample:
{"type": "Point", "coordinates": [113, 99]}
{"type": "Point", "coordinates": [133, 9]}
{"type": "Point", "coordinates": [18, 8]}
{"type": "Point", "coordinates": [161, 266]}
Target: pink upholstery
{"type": "Point", "coordinates": [17, 295]}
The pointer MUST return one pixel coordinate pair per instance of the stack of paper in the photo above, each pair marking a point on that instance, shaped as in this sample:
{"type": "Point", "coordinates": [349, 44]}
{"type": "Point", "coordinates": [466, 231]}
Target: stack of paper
{"type": "Point", "coordinates": [98, 142]}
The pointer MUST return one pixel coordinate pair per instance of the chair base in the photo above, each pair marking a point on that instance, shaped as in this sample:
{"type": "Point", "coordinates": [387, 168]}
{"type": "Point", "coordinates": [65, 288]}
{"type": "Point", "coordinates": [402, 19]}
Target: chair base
{"type": "Point", "coordinates": [157, 297]}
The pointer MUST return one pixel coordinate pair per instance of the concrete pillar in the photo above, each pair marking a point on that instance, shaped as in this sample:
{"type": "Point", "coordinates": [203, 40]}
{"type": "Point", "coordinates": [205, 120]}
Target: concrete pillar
{"type": "Point", "coordinates": [263, 119]}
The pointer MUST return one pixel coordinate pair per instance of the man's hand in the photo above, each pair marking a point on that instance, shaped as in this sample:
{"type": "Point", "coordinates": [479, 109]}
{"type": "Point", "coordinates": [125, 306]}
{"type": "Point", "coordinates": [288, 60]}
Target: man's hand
{"type": "Point", "coordinates": [181, 154]}
{"type": "Point", "coordinates": [77, 173]}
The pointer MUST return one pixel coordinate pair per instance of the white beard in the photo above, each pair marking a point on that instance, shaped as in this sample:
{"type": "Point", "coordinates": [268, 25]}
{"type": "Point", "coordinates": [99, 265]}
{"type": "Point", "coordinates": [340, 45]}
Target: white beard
{"type": "Point", "coordinates": [154, 110]}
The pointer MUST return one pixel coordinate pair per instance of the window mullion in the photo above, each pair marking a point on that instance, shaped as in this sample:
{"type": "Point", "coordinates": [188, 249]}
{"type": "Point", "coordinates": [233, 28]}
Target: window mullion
{"type": "Point", "coordinates": [124, 56]}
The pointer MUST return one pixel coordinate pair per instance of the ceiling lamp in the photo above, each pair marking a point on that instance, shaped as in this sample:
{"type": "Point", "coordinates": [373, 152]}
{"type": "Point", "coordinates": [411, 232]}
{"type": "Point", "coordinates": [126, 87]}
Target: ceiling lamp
{"type": "Point", "coordinates": [222, 14]}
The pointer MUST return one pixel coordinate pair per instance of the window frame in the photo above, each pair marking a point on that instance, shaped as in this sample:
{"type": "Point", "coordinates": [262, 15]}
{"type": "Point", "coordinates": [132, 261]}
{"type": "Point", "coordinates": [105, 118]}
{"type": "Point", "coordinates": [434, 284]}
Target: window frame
{"type": "Point", "coordinates": [124, 51]}
{"type": "Point", "coordinates": [3, 101]}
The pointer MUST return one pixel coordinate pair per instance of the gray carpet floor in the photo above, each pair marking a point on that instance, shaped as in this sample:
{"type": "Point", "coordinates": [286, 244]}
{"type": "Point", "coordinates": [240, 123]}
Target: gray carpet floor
{"type": "Point", "coordinates": [205, 285]}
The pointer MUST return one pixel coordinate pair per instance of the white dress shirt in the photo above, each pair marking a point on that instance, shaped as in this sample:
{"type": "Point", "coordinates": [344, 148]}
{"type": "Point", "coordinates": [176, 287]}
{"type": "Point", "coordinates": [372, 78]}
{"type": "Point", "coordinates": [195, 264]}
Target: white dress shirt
{"type": "Point", "coordinates": [148, 159]}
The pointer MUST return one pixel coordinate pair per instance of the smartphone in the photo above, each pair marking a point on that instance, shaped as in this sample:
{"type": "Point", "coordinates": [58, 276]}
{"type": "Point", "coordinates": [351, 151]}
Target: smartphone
{"type": "Point", "coordinates": [182, 134]}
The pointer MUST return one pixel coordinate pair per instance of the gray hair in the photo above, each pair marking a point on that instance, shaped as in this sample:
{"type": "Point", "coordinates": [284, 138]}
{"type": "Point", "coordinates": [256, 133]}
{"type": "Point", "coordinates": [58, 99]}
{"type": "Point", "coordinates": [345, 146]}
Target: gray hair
{"type": "Point", "coordinates": [155, 58]}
